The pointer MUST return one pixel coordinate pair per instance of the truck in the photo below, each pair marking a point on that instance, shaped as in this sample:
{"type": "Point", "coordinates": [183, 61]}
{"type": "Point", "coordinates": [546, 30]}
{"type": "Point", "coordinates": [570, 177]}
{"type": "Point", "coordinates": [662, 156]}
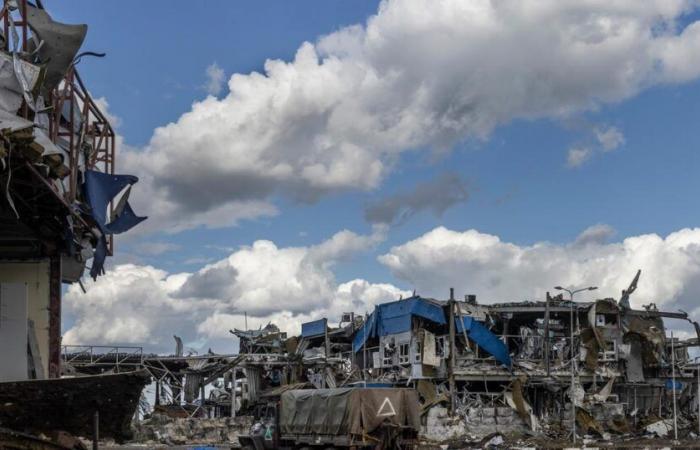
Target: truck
{"type": "Point", "coordinates": [349, 417]}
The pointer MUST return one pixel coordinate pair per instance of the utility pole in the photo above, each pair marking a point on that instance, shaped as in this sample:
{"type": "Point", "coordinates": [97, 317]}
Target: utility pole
{"type": "Point", "coordinates": [546, 333]}
{"type": "Point", "coordinates": [326, 341]}
{"type": "Point", "coordinates": [697, 369]}
{"type": "Point", "coordinates": [573, 354]}
{"type": "Point", "coordinates": [233, 392]}
{"type": "Point", "coordinates": [673, 380]}
{"type": "Point", "coordinates": [451, 308]}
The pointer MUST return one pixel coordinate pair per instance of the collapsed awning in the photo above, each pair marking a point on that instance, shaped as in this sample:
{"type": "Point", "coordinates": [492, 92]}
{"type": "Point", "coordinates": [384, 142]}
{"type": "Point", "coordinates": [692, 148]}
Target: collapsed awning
{"type": "Point", "coordinates": [395, 317]}
{"type": "Point", "coordinates": [486, 340]}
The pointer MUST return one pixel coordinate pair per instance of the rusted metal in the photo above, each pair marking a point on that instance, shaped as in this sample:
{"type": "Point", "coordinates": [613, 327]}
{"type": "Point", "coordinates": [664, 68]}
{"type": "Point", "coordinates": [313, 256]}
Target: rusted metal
{"type": "Point", "coordinates": [55, 317]}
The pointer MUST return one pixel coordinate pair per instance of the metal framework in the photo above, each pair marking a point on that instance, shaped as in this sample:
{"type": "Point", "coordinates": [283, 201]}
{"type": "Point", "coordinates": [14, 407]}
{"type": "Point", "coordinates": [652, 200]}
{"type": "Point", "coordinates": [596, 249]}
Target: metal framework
{"type": "Point", "coordinates": [118, 359]}
{"type": "Point", "coordinates": [75, 121]}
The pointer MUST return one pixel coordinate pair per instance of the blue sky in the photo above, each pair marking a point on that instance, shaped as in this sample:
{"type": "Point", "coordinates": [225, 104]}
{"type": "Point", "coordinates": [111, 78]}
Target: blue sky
{"type": "Point", "coordinates": [520, 186]}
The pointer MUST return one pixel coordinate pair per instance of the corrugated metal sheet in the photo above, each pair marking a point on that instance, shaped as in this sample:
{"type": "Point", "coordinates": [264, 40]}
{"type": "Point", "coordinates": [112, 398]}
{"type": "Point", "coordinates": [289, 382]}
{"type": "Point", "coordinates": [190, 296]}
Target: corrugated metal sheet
{"type": "Point", "coordinates": [395, 317]}
{"type": "Point", "coordinates": [486, 340]}
{"type": "Point", "coordinates": [315, 328]}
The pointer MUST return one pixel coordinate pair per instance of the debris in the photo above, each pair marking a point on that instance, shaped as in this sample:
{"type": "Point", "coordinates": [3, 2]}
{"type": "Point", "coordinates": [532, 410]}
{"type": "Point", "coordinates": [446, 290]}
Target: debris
{"type": "Point", "coordinates": [660, 428]}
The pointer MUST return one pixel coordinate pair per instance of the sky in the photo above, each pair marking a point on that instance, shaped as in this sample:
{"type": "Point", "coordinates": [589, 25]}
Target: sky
{"type": "Point", "coordinates": [301, 159]}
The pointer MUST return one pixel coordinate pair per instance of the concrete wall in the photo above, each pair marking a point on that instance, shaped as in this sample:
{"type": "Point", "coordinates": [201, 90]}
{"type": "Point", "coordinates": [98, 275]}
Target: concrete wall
{"type": "Point", "coordinates": [36, 275]}
{"type": "Point", "coordinates": [13, 331]}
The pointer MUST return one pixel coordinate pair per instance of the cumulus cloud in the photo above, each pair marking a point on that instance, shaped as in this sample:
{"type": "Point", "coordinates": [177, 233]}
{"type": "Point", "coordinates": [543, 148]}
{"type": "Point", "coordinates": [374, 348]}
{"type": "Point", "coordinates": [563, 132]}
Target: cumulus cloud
{"type": "Point", "coordinates": [609, 138]}
{"type": "Point", "coordinates": [598, 138]}
{"type": "Point", "coordinates": [142, 305]}
{"type": "Point", "coordinates": [132, 304]}
{"type": "Point", "coordinates": [482, 264]}
{"type": "Point", "coordinates": [595, 234]}
{"type": "Point", "coordinates": [577, 156]}
{"type": "Point", "coordinates": [436, 196]}
{"type": "Point", "coordinates": [215, 79]}
{"type": "Point", "coordinates": [257, 278]}
{"type": "Point", "coordinates": [420, 74]}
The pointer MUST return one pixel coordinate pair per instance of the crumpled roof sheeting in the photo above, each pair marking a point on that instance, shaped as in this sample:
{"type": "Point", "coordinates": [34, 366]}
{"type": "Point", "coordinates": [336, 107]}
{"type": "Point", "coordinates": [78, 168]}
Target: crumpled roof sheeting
{"type": "Point", "coordinates": [100, 189]}
{"type": "Point", "coordinates": [485, 339]}
{"type": "Point", "coordinates": [395, 317]}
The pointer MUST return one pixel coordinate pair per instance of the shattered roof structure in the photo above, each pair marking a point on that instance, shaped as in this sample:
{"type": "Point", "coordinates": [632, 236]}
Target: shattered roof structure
{"type": "Point", "coordinates": [60, 194]}
{"type": "Point", "coordinates": [61, 200]}
{"type": "Point", "coordinates": [395, 317]}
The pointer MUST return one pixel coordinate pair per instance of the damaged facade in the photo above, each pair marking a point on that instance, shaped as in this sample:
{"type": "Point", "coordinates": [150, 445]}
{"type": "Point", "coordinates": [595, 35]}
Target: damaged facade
{"type": "Point", "coordinates": [539, 367]}
{"type": "Point", "coordinates": [473, 366]}
{"type": "Point", "coordinates": [61, 203]}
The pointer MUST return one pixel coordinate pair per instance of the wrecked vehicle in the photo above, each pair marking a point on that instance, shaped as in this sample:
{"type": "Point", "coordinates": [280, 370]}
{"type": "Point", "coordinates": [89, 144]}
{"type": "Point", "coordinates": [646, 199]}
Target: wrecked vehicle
{"type": "Point", "coordinates": [344, 417]}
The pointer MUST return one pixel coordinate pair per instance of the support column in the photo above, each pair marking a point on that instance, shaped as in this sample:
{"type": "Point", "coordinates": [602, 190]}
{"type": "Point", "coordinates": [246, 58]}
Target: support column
{"type": "Point", "coordinates": [546, 334]}
{"type": "Point", "coordinates": [233, 392]}
{"type": "Point", "coordinates": [453, 393]}
{"type": "Point", "coordinates": [55, 316]}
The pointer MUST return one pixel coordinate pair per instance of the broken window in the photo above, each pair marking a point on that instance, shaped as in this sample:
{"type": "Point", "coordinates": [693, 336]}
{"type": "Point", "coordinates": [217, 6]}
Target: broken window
{"type": "Point", "coordinates": [440, 347]}
{"type": "Point", "coordinates": [403, 353]}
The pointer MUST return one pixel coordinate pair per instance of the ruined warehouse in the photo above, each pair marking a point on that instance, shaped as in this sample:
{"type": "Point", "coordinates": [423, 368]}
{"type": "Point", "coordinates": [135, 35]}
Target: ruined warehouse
{"type": "Point", "coordinates": [473, 365]}
{"type": "Point", "coordinates": [549, 368]}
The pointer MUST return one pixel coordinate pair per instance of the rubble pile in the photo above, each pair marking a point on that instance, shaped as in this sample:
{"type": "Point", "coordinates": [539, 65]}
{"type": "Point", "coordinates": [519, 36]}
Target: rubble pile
{"type": "Point", "coordinates": [161, 429]}
{"type": "Point", "coordinates": [553, 369]}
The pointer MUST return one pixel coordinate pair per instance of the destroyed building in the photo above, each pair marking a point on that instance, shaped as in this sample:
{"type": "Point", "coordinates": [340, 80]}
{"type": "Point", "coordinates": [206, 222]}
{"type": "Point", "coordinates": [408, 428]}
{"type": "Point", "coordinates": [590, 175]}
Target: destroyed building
{"type": "Point", "coordinates": [61, 203]}
{"type": "Point", "coordinates": [474, 365]}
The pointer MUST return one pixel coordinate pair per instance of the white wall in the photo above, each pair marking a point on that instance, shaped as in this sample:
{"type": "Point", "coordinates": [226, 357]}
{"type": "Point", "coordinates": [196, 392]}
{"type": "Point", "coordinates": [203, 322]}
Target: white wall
{"type": "Point", "coordinates": [36, 276]}
{"type": "Point", "coordinates": [13, 331]}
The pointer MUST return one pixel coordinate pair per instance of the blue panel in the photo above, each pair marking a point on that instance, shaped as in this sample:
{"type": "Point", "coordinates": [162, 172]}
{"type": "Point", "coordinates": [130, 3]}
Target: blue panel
{"type": "Point", "coordinates": [100, 188]}
{"type": "Point", "coordinates": [315, 328]}
{"type": "Point", "coordinates": [395, 317]}
{"type": "Point", "coordinates": [125, 221]}
{"type": "Point", "coordinates": [488, 341]}
{"type": "Point", "coordinates": [367, 330]}
{"type": "Point", "coordinates": [670, 384]}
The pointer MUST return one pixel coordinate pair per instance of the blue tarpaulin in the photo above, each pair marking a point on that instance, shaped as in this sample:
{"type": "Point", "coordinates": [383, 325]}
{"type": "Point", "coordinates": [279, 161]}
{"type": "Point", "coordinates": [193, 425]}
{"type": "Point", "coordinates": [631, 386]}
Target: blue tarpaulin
{"type": "Point", "coordinates": [395, 317]}
{"type": "Point", "coordinates": [670, 385]}
{"type": "Point", "coordinates": [100, 189]}
{"type": "Point", "coordinates": [315, 328]}
{"type": "Point", "coordinates": [488, 341]}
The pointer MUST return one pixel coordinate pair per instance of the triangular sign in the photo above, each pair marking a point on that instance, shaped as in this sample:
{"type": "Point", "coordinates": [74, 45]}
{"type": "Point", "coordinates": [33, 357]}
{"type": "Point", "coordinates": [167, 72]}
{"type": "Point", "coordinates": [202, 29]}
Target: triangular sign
{"type": "Point", "coordinates": [387, 409]}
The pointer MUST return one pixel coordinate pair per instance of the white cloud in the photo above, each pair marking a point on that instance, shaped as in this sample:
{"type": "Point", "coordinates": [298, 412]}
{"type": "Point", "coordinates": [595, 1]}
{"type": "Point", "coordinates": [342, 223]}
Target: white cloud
{"type": "Point", "coordinates": [141, 305]}
{"type": "Point", "coordinates": [577, 156]}
{"type": "Point", "coordinates": [482, 264]}
{"type": "Point", "coordinates": [215, 79]}
{"type": "Point", "coordinates": [132, 304]}
{"type": "Point", "coordinates": [436, 195]}
{"type": "Point", "coordinates": [609, 138]}
{"type": "Point", "coordinates": [595, 234]}
{"type": "Point", "coordinates": [103, 106]}
{"type": "Point", "coordinates": [420, 74]}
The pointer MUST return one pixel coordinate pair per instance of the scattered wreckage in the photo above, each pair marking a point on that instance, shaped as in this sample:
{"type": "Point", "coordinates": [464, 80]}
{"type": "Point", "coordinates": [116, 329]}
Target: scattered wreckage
{"type": "Point", "coordinates": [535, 369]}
{"type": "Point", "coordinates": [61, 203]}
{"type": "Point", "coordinates": [548, 369]}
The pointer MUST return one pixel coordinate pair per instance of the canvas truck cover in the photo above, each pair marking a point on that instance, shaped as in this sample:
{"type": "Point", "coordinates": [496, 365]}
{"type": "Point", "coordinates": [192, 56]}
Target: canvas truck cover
{"type": "Point", "coordinates": [346, 411]}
